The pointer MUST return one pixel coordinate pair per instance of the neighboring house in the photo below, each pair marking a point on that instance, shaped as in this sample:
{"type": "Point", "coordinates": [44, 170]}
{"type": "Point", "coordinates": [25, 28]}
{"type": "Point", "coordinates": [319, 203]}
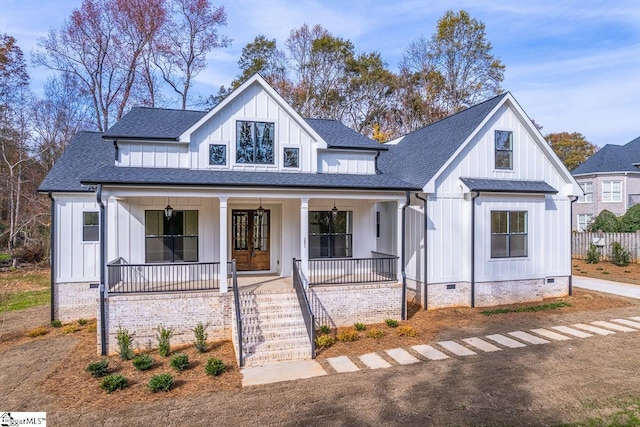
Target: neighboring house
{"type": "Point", "coordinates": [610, 179]}
{"type": "Point", "coordinates": [154, 210]}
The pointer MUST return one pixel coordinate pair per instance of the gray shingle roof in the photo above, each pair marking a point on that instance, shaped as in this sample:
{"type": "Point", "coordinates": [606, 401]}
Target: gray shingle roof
{"type": "Point", "coordinates": [337, 135]}
{"type": "Point", "coordinates": [420, 154]}
{"type": "Point", "coordinates": [508, 186]}
{"type": "Point", "coordinates": [612, 158]}
{"type": "Point", "coordinates": [86, 152]}
{"type": "Point", "coordinates": [188, 177]}
{"type": "Point", "coordinates": [153, 123]}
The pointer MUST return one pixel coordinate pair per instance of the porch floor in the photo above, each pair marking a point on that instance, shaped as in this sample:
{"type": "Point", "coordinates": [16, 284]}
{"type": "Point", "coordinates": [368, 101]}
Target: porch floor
{"type": "Point", "coordinates": [263, 282]}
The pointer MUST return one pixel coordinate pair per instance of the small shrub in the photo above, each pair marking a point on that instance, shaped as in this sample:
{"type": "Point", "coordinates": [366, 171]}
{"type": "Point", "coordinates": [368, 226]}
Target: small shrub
{"type": "Point", "coordinates": [620, 256]}
{"type": "Point", "coordinates": [593, 254]}
{"type": "Point", "coordinates": [179, 362]}
{"type": "Point", "coordinates": [324, 340]}
{"type": "Point", "coordinates": [605, 272]}
{"type": "Point", "coordinates": [200, 332]}
{"type": "Point", "coordinates": [407, 331]}
{"type": "Point", "coordinates": [56, 324]}
{"type": "Point", "coordinates": [92, 327]}
{"type": "Point", "coordinates": [360, 326]}
{"type": "Point", "coordinates": [36, 332]}
{"type": "Point", "coordinates": [325, 329]}
{"type": "Point", "coordinates": [113, 382]}
{"type": "Point", "coordinates": [142, 362]}
{"type": "Point", "coordinates": [69, 329]}
{"type": "Point", "coordinates": [215, 367]}
{"type": "Point", "coordinates": [125, 339]}
{"type": "Point", "coordinates": [348, 335]}
{"type": "Point", "coordinates": [375, 333]}
{"type": "Point", "coordinates": [98, 369]}
{"type": "Point", "coordinates": [606, 221]}
{"type": "Point", "coordinates": [82, 322]}
{"type": "Point", "coordinates": [392, 323]}
{"type": "Point", "coordinates": [160, 382]}
{"type": "Point", "coordinates": [164, 337]}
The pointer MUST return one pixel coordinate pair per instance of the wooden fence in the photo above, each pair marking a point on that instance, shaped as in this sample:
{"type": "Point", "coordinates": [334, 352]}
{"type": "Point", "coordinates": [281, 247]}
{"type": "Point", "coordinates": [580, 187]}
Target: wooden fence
{"type": "Point", "coordinates": [580, 242]}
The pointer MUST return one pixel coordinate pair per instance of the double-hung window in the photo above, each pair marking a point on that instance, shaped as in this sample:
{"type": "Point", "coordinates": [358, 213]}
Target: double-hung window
{"type": "Point", "coordinates": [330, 234]}
{"type": "Point", "coordinates": [90, 227]}
{"type": "Point", "coordinates": [504, 149]}
{"type": "Point", "coordinates": [254, 142]}
{"type": "Point", "coordinates": [173, 239]}
{"type": "Point", "coordinates": [509, 234]}
{"type": "Point", "coordinates": [612, 191]}
{"type": "Point", "coordinates": [583, 221]}
{"type": "Point", "coordinates": [587, 188]}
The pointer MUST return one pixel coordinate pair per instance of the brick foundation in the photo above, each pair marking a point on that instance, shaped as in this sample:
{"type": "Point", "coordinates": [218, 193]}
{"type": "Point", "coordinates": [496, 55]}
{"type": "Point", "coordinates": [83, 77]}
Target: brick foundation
{"type": "Point", "coordinates": [73, 301]}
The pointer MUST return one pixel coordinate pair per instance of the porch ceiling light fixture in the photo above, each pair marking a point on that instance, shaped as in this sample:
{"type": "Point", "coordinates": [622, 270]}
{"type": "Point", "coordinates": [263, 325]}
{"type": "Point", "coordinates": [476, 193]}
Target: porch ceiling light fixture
{"type": "Point", "coordinates": [260, 209]}
{"type": "Point", "coordinates": [334, 210]}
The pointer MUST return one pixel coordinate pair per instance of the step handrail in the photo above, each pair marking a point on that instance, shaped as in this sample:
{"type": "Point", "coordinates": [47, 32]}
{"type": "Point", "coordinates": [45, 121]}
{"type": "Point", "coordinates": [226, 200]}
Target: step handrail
{"type": "Point", "coordinates": [236, 297]}
{"type": "Point", "coordinates": [303, 300]}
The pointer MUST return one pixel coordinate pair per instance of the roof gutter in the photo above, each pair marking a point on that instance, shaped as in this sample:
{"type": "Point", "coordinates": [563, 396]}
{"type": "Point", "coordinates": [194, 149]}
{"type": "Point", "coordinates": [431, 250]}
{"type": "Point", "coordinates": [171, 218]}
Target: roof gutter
{"type": "Point", "coordinates": [403, 256]}
{"type": "Point", "coordinates": [103, 272]}
{"type": "Point", "coordinates": [573, 199]}
{"type": "Point", "coordinates": [473, 247]}
{"type": "Point", "coordinates": [52, 255]}
{"type": "Point", "coordinates": [426, 258]}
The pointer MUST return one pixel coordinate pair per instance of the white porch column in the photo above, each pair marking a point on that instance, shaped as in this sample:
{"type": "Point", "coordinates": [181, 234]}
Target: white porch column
{"type": "Point", "coordinates": [223, 244]}
{"type": "Point", "coordinates": [399, 238]}
{"type": "Point", "coordinates": [304, 235]}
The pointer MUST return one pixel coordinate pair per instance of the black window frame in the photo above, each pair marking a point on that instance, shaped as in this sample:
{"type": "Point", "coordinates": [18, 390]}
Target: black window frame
{"type": "Point", "coordinates": [285, 160]}
{"type": "Point", "coordinates": [254, 138]}
{"type": "Point", "coordinates": [213, 147]}
{"type": "Point", "coordinates": [509, 235]}
{"type": "Point", "coordinates": [92, 227]}
{"type": "Point", "coordinates": [330, 243]}
{"type": "Point", "coordinates": [173, 238]}
{"type": "Point", "coordinates": [501, 151]}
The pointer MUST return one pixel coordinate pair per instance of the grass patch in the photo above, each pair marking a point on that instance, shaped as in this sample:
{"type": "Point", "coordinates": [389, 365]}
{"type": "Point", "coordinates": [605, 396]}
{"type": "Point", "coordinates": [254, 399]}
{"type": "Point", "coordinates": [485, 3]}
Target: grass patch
{"type": "Point", "coordinates": [5, 257]}
{"type": "Point", "coordinates": [31, 278]}
{"type": "Point", "coordinates": [541, 307]}
{"type": "Point", "coordinates": [627, 415]}
{"type": "Point", "coordinates": [22, 300]}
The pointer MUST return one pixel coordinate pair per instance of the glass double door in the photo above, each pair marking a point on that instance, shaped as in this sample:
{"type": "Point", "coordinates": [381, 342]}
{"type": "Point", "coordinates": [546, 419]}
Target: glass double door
{"type": "Point", "coordinates": [250, 240]}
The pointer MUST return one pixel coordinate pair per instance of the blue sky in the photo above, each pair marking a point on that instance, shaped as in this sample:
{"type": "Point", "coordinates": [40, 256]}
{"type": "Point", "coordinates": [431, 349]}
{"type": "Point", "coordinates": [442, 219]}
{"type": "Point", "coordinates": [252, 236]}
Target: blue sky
{"type": "Point", "coordinates": [572, 65]}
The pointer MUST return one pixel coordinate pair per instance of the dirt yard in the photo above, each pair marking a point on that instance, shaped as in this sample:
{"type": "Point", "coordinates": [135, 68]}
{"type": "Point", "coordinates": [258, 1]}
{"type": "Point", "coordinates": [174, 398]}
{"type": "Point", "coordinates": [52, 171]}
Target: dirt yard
{"type": "Point", "coordinates": [607, 271]}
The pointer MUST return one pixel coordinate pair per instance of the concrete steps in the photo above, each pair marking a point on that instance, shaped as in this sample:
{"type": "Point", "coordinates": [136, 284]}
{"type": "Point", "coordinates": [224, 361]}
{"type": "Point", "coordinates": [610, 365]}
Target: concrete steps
{"type": "Point", "coordinates": [273, 329]}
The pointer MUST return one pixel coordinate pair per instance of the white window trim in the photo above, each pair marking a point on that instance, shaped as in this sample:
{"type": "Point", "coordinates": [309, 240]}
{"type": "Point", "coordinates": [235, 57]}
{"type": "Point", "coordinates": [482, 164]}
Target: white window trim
{"type": "Point", "coordinates": [578, 224]}
{"type": "Point", "coordinates": [611, 192]}
{"type": "Point", "coordinates": [528, 233]}
{"type": "Point", "coordinates": [583, 198]}
{"type": "Point", "coordinates": [289, 168]}
{"type": "Point", "coordinates": [233, 156]}
{"type": "Point", "coordinates": [228, 158]}
{"type": "Point", "coordinates": [513, 150]}
{"type": "Point", "coordinates": [89, 242]}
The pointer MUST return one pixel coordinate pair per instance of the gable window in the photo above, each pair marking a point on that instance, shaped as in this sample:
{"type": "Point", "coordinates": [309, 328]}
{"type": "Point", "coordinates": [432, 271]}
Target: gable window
{"type": "Point", "coordinates": [612, 191]}
{"type": "Point", "coordinates": [254, 142]}
{"type": "Point", "coordinates": [173, 239]}
{"type": "Point", "coordinates": [508, 234]}
{"type": "Point", "coordinates": [291, 157]}
{"type": "Point", "coordinates": [330, 234]}
{"type": "Point", "coordinates": [90, 227]}
{"type": "Point", "coordinates": [587, 188]}
{"type": "Point", "coordinates": [584, 220]}
{"type": "Point", "coordinates": [217, 155]}
{"type": "Point", "coordinates": [504, 149]}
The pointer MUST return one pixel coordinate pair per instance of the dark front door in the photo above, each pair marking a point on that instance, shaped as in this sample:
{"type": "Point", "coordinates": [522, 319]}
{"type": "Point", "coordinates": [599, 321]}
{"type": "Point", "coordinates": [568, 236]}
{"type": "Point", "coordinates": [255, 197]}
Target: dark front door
{"type": "Point", "coordinates": [250, 240]}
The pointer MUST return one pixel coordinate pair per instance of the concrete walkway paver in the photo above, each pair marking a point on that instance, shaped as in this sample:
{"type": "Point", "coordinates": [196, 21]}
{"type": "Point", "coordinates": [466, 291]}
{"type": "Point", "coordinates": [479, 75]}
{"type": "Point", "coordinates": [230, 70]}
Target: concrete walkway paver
{"type": "Point", "coordinates": [455, 348]}
{"type": "Point", "coordinates": [506, 341]}
{"type": "Point", "coordinates": [616, 288]}
{"type": "Point", "coordinates": [342, 364]}
{"type": "Point", "coordinates": [627, 322]}
{"type": "Point", "coordinates": [571, 331]}
{"type": "Point", "coordinates": [613, 326]}
{"type": "Point", "coordinates": [527, 337]}
{"type": "Point", "coordinates": [374, 361]}
{"type": "Point", "coordinates": [283, 371]}
{"type": "Point", "coordinates": [430, 352]}
{"type": "Point", "coordinates": [593, 329]}
{"type": "Point", "coordinates": [481, 344]}
{"type": "Point", "coordinates": [637, 318]}
{"type": "Point", "coordinates": [402, 356]}
{"type": "Point", "coordinates": [550, 334]}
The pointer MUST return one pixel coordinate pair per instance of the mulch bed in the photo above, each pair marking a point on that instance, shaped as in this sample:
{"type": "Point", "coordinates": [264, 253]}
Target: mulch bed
{"type": "Point", "coordinates": [607, 271]}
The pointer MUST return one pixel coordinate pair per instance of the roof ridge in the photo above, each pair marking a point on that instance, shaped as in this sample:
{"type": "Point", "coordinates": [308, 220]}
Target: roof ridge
{"type": "Point", "coordinates": [168, 109]}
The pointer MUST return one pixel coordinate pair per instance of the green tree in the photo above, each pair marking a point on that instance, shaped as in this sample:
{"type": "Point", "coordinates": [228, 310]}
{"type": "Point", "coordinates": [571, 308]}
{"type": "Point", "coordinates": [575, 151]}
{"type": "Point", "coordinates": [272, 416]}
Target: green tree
{"type": "Point", "coordinates": [606, 221]}
{"type": "Point", "coordinates": [630, 221]}
{"type": "Point", "coordinates": [573, 149]}
{"type": "Point", "coordinates": [262, 56]}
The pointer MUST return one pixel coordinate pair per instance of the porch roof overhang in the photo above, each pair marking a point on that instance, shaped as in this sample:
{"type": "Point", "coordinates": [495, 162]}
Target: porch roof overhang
{"type": "Point", "coordinates": [138, 176]}
{"type": "Point", "coordinates": [508, 186]}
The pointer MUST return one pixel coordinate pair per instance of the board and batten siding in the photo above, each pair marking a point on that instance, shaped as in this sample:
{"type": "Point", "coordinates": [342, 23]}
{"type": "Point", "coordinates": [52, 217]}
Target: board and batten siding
{"type": "Point", "coordinates": [76, 261]}
{"type": "Point", "coordinates": [254, 104]}
{"type": "Point", "coordinates": [349, 162]}
{"type": "Point", "coordinates": [153, 155]}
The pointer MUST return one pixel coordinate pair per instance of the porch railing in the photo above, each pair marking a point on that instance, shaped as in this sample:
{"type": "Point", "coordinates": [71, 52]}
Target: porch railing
{"type": "Point", "coordinates": [342, 271]}
{"type": "Point", "coordinates": [303, 300]}
{"type": "Point", "coordinates": [236, 299]}
{"type": "Point", "coordinates": [163, 277]}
